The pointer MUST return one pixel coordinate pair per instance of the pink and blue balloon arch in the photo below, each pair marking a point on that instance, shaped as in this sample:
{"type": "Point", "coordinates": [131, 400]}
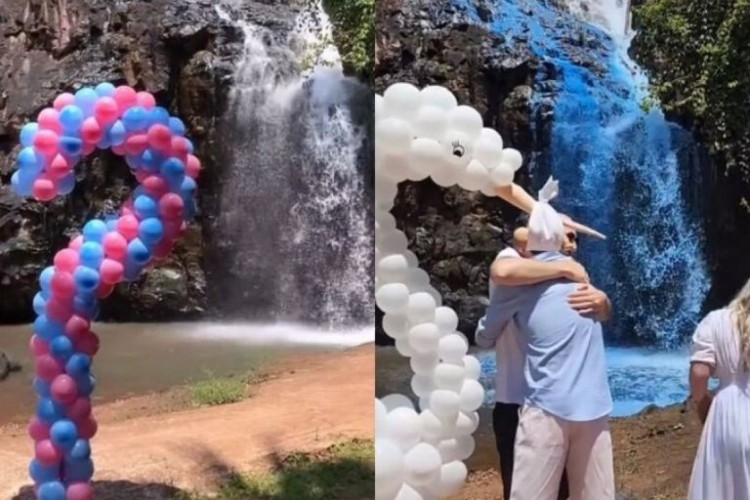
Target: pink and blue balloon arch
{"type": "Point", "coordinates": [110, 250]}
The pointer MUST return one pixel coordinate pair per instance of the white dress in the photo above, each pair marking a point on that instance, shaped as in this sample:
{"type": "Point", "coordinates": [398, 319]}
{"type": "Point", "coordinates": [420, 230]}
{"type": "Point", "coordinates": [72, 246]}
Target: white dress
{"type": "Point", "coordinates": [721, 470]}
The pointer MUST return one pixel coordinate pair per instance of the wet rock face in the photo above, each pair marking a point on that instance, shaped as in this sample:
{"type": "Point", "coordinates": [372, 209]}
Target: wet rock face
{"type": "Point", "coordinates": [450, 230]}
{"type": "Point", "coordinates": [180, 51]}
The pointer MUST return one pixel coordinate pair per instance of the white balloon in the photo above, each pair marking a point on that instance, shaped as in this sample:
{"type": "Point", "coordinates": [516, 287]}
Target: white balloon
{"type": "Point", "coordinates": [424, 403]}
{"type": "Point", "coordinates": [423, 338]}
{"type": "Point", "coordinates": [435, 95]}
{"type": "Point", "coordinates": [457, 147]}
{"type": "Point", "coordinates": [448, 449]}
{"type": "Point", "coordinates": [446, 319]}
{"type": "Point", "coordinates": [385, 192]}
{"type": "Point", "coordinates": [424, 364]}
{"type": "Point", "coordinates": [389, 468]}
{"type": "Point", "coordinates": [465, 423]}
{"type": "Point", "coordinates": [402, 426]}
{"type": "Point", "coordinates": [430, 122]}
{"type": "Point", "coordinates": [513, 158]}
{"type": "Point", "coordinates": [475, 176]}
{"type": "Point", "coordinates": [432, 428]}
{"type": "Point", "coordinates": [472, 368]}
{"type": "Point", "coordinates": [467, 120]}
{"type": "Point", "coordinates": [445, 404]}
{"type": "Point", "coordinates": [396, 326]}
{"type": "Point", "coordinates": [452, 478]}
{"type": "Point", "coordinates": [408, 493]}
{"type": "Point", "coordinates": [394, 136]}
{"type": "Point", "coordinates": [392, 268]}
{"type": "Point", "coordinates": [411, 258]}
{"type": "Point", "coordinates": [501, 175]}
{"type": "Point", "coordinates": [422, 385]}
{"type": "Point", "coordinates": [417, 279]}
{"type": "Point", "coordinates": [393, 401]}
{"type": "Point", "coordinates": [403, 347]}
{"type": "Point", "coordinates": [422, 464]}
{"type": "Point", "coordinates": [449, 377]}
{"type": "Point", "coordinates": [435, 295]}
{"type": "Point", "coordinates": [446, 177]}
{"type": "Point", "coordinates": [392, 298]}
{"type": "Point", "coordinates": [380, 413]}
{"type": "Point", "coordinates": [421, 308]}
{"type": "Point", "coordinates": [402, 100]}
{"type": "Point", "coordinates": [488, 149]}
{"type": "Point", "coordinates": [395, 166]}
{"type": "Point", "coordinates": [386, 220]}
{"type": "Point", "coordinates": [379, 107]}
{"type": "Point", "coordinates": [452, 349]}
{"type": "Point", "coordinates": [465, 447]}
{"type": "Point", "coordinates": [392, 242]}
{"type": "Point", "coordinates": [472, 395]}
{"type": "Point", "coordinates": [426, 155]}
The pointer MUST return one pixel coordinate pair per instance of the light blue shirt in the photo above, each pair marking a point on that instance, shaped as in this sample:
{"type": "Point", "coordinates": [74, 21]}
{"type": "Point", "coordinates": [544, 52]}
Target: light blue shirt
{"type": "Point", "coordinates": [565, 370]}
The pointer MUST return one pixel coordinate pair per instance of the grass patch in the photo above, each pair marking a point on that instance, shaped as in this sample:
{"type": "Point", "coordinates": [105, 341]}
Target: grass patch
{"type": "Point", "coordinates": [344, 471]}
{"type": "Point", "coordinates": [224, 390]}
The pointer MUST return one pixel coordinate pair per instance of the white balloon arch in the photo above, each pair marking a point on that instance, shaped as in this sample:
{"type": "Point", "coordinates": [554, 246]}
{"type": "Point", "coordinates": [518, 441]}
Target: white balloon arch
{"type": "Point", "coordinates": [419, 452]}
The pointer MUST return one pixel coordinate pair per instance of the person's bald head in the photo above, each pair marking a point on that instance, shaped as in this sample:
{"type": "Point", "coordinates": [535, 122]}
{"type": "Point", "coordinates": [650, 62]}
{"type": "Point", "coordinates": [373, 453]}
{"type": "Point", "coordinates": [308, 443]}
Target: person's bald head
{"type": "Point", "coordinates": [521, 240]}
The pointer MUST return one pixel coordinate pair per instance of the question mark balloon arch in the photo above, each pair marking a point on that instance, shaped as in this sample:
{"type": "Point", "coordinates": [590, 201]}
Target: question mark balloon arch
{"type": "Point", "coordinates": [109, 250]}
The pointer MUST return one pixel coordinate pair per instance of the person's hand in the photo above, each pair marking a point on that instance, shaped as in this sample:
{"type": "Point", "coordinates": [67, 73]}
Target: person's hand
{"type": "Point", "coordinates": [589, 301]}
{"type": "Point", "coordinates": [574, 271]}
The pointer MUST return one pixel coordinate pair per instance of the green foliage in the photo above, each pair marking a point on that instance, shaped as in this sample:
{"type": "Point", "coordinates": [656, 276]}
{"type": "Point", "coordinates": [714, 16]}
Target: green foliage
{"type": "Point", "coordinates": [220, 391]}
{"type": "Point", "coordinates": [354, 33]}
{"type": "Point", "coordinates": [698, 54]}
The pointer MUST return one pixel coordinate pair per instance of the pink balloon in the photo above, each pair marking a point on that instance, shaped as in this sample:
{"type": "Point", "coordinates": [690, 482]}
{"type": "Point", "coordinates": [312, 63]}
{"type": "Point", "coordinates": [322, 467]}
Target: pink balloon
{"type": "Point", "coordinates": [63, 100]}
{"type": "Point", "coordinates": [111, 272]}
{"type": "Point", "coordinates": [38, 430]}
{"type": "Point", "coordinates": [79, 491]}
{"type": "Point", "coordinates": [64, 389]}
{"type": "Point", "coordinates": [119, 150]}
{"type": "Point", "coordinates": [59, 310]}
{"type": "Point", "coordinates": [193, 167]}
{"type": "Point", "coordinates": [155, 186]}
{"type": "Point", "coordinates": [44, 189]}
{"type": "Point", "coordinates": [171, 206]}
{"type": "Point", "coordinates": [76, 243]}
{"type": "Point", "coordinates": [47, 454]}
{"type": "Point", "coordinates": [38, 345]}
{"type": "Point", "coordinates": [141, 175]}
{"type": "Point", "coordinates": [146, 99]}
{"type": "Point", "coordinates": [106, 289]}
{"type": "Point", "coordinates": [58, 167]}
{"type": "Point", "coordinates": [87, 427]}
{"type": "Point", "coordinates": [127, 208]}
{"type": "Point", "coordinates": [79, 409]}
{"type": "Point", "coordinates": [49, 119]}
{"type": "Point", "coordinates": [136, 144]}
{"type": "Point", "coordinates": [172, 228]}
{"type": "Point", "coordinates": [66, 260]}
{"type": "Point", "coordinates": [91, 131]}
{"type": "Point", "coordinates": [128, 226]}
{"type": "Point", "coordinates": [88, 344]}
{"type": "Point", "coordinates": [163, 249]}
{"type": "Point", "coordinates": [46, 142]}
{"type": "Point", "coordinates": [160, 137]}
{"type": "Point", "coordinates": [63, 285]}
{"type": "Point", "coordinates": [106, 110]}
{"type": "Point", "coordinates": [47, 367]}
{"type": "Point", "coordinates": [125, 97]}
{"type": "Point", "coordinates": [87, 148]}
{"type": "Point", "coordinates": [115, 245]}
{"type": "Point", "coordinates": [77, 327]}
{"type": "Point", "coordinates": [180, 146]}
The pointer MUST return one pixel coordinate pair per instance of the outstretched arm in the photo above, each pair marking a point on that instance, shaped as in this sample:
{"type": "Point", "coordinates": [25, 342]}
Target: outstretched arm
{"type": "Point", "coordinates": [521, 272]}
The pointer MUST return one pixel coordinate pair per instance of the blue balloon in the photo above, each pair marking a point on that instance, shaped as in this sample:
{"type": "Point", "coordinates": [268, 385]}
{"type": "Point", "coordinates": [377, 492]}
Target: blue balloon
{"type": "Point", "coordinates": [78, 469]}
{"type": "Point", "coordinates": [53, 490]}
{"type": "Point", "coordinates": [86, 100]}
{"type": "Point", "coordinates": [43, 474]}
{"type": "Point", "coordinates": [146, 207]}
{"type": "Point", "coordinates": [151, 160]}
{"type": "Point", "coordinates": [176, 126]}
{"type": "Point", "coordinates": [172, 168]}
{"type": "Point", "coordinates": [78, 365]}
{"type": "Point", "coordinates": [133, 161]}
{"type": "Point", "coordinates": [94, 230]}
{"type": "Point", "coordinates": [49, 411]}
{"type": "Point", "coordinates": [66, 185]}
{"type": "Point", "coordinates": [132, 270]}
{"type": "Point", "coordinates": [92, 253]}
{"type": "Point", "coordinates": [20, 185]}
{"type": "Point", "coordinates": [138, 191]}
{"type": "Point", "coordinates": [45, 278]}
{"type": "Point", "coordinates": [29, 160]}
{"type": "Point", "coordinates": [112, 225]}
{"type": "Point", "coordinates": [158, 115]}
{"type": "Point", "coordinates": [61, 347]}
{"type": "Point", "coordinates": [86, 384]}
{"type": "Point", "coordinates": [105, 89]}
{"type": "Point", "coordinates": [191, 148]}
{"type": "Point", "coordinates": [87, 279]}
{"type": "Point", "coordinates": [46, 328]}
{"type": "Point", "coordinates": [117, 133]}
{"type": "Point", "coordinates": [71, 118]}
{"type": "Point", "coordinates": [28, 133]}
{"type": "Point", "coordinates": [104, 141]}
{"type": "Point", "coordinates": [40, 304]}
{"type": "Point", "coordinates": [151, 231]}
{"type": "Point", "coordinates": [138, 252]}
{"type": "Point", "coordinates": [135, 119]}
{"type": "Point", "coordinates": [64, 434]}
{"type": "Point", "coordinates": [188, 186]}
{"type": "Point", "coordinates": [82, 449]}
{"type": "Point", "coordinates": [71, 146]}
{"type": "Point", "coordinates": [41, 387]}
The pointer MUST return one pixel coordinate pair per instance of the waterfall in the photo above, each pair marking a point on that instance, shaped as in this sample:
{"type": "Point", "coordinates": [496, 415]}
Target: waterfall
{"type": "Point", "coordinates": [620, 164]}
{"type": "Point", "coordinates": [294, 228]}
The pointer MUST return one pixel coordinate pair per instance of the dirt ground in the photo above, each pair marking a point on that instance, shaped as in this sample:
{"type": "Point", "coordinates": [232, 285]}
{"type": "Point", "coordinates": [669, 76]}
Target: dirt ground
{"type": "Point", "coordinates": [653, 455]}
{"type": "Point", "coordinates": [152, 443]}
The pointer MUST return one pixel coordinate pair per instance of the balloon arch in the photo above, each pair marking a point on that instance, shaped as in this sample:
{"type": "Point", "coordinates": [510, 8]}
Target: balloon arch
{"type": "Point", "coordinates": [110, 250]}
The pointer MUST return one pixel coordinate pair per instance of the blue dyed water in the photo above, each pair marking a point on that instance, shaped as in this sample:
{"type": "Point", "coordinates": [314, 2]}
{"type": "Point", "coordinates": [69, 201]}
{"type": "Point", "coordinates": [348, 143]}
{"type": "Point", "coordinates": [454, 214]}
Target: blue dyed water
{"type": "Point", "coordinates": [622, 170]}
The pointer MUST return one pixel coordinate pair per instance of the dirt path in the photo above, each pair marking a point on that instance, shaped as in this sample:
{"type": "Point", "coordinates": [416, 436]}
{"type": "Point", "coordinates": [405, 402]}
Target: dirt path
{"type": "Point", "coordinates": [322, 400]}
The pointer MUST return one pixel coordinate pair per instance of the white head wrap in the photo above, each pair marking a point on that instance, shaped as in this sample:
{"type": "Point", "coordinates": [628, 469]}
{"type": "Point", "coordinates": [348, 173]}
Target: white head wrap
{"type": "Point", "coordinates": [546, 231]}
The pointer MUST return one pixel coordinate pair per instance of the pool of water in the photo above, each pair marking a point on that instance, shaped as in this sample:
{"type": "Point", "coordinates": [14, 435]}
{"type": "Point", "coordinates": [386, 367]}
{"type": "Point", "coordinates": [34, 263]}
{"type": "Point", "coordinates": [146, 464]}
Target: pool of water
{"type": "Point", "coordinates": [137, 359]}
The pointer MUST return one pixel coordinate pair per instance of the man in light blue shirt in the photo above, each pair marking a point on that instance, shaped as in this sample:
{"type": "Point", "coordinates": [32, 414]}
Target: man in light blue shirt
{"type": "Point", "coordinates": [563, 423]}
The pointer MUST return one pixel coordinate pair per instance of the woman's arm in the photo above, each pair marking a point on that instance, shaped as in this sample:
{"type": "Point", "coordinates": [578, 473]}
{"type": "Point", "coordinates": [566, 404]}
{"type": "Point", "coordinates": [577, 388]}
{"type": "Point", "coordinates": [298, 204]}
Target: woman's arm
{"type": "Point", "coordinates": [700, 373]}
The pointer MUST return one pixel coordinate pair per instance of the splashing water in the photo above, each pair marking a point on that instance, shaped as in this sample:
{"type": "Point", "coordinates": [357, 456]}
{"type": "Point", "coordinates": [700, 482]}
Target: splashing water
{"type": "Point", "coordinates": [293, 221]}
{"type": "Point", "coordinates": [619, 165]}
